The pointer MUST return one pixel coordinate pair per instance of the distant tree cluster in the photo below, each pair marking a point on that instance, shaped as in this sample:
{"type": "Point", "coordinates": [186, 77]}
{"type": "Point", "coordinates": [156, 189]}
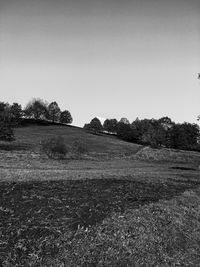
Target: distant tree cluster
{"type": "Point", "coordinates": [39, 109]}
{"type": "Point", "coordinates": [12, 115]}
{"type": "Point", "coordinates": [155, 133]}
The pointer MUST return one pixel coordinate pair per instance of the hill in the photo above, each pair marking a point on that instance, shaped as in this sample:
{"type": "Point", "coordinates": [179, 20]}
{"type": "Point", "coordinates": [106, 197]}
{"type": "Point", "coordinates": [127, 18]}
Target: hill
{"type": "Point", "coordinates": [30, 136]}
{"type": "Point", "coordinates": [121, 204]}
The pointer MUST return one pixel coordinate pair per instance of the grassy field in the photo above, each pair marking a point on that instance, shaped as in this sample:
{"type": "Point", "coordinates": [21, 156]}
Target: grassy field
{"type": "Point", "coordinates": [120, 205]}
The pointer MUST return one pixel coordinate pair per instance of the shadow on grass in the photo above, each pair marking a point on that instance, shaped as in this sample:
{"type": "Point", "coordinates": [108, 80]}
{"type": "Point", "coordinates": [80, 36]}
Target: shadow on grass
{"type": "Point", "coordinates": [33, 211]}
{"type": "Point", "coordinates": [14, 147]}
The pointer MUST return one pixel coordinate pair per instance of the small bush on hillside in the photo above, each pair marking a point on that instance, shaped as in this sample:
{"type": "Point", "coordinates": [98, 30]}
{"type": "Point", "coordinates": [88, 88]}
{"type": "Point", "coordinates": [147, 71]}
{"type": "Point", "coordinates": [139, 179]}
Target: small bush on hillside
{"type": "Point", "coordinates": [54, 147]}
{"type": "Point", "coordinates": [79, 148]}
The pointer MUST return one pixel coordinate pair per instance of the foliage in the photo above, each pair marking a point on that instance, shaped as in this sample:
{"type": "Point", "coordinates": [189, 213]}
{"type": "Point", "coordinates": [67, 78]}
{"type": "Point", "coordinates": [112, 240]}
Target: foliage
{"type": "Point", "coordinates": [141, 128]}
{"type": "Point", "coordinates": [36, 109]}
{"type": "Point", "coordinates": [155, 135]}
{"type": "Point", "coordinates": [53, 111]}
{"type": "Point", "coordinates": [124, 120]}
{"type": "Point", "coordinates": [184, 136]}
{"type": "Point", "coordinates": [54, 147]}
{"type": "Point", "coordinates": [94, 126]}
{"type": "Point", "coordinates": [166, 122]}
{"type": "Point", "coordinates": [66, 117]}
{"type": "Point", "coordinates": [164, 132]}
{"type": "Point", "coordinates": [6, 131]}
{"type": "Point", "coordinates": [16, 113]}
{"type": "Point", "coordinates": [110, 125]}
{"type": "Point", "coordinates": [125, 132]}
{"type": "Point", "coordinates": [79, 148]}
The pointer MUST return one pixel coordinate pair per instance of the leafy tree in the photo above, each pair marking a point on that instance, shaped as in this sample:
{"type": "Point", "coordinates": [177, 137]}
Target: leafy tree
{"type": "Point", "coordinates": [110, 125]}
{"type": "Point", "coordinates": [155, 135]}
{"type": "Point", "coordinates": [141, 127]}
{"type": "Point", "coordinates": [66, 117]}
{"type": "Point", "coordinates": [36, 109]}
{"type": "Point", "coordinates": [16, 113]}
{"type": "Point", "coordinates": [6, 131]}
{"type": "Point", "coordinates": [184, 136]}
{"type": "Point", "coordinates": [124, 120]}
{"type": "Point", "coordinates": [125, 132]}
{"type": "Point", "coordinates": [166, 122]}
{"type": "Point", "coordinates": [94, 126]}
{"type": "Point", "coordinates": [150, 132]}
{"type": "Point", "coordinates": [53, 111]}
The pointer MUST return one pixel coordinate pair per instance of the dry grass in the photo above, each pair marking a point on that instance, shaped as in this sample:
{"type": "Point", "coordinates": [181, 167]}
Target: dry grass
{"type": "Point", "coordinates": [168, 155]}
{"type": "Point", "coordinates": [164, 233]}
{"type": "Point", "coordinates": [41, 220]}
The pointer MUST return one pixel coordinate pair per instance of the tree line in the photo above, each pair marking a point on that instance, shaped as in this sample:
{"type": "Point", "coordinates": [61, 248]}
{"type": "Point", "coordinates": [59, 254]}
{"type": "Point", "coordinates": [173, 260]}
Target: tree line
{"type": "Point", "coordinates": [12, 115]}
{"type": "Point", "coordinates": [155, 133]}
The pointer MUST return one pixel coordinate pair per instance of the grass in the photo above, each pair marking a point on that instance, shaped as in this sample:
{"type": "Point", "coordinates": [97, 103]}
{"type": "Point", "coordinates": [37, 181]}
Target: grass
{"type": "Point", "coordinates": [120, 205]}
{"type": "Point", "coordinates": [32, 213]}
{"type": "Point", "coordinates": [98, 144]}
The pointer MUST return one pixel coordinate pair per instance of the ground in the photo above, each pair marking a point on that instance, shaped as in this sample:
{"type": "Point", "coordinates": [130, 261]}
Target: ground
{"type": "Point", "coordinates": [120, 205]}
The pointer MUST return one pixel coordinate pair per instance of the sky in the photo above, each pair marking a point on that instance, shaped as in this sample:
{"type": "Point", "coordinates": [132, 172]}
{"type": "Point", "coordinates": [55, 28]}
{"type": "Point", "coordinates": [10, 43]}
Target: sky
{"type": "Point", "coordinates": [105, 58]}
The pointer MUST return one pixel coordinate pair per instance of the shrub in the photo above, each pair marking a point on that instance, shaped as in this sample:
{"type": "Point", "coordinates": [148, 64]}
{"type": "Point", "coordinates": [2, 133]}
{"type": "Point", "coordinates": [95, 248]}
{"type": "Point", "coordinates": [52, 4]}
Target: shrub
{"type": "Point", "coordinates": [54, 147]}
{"type": "Point", "coordinates": [79, 148]}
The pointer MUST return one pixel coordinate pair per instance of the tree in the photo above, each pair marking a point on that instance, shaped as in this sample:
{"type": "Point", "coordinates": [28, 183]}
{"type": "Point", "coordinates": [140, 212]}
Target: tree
{"type": "Point", "coordinates": [110, 125]}
{"type": "Point", "coordinates": [53, 111]}
{"type": "Point", "coordinates": [184, 136]}
{"type": "Point", "coordinates": [6, 131]}
{"type": "Point", "coordinates": [155, 136]}
{"type": "Point", "coordinates": [94, 126]}
{"type": "Point", "coordinates": [36, 109]}
{"type": "Point", "coordinates": [66, 117]}
{"type": "Point", "coordinates": [166, 122]}
{"type": "Point", "coordinates": [140, 127]}
{"type": "Point", "coordinates": [124, 120]}
{"type": "Point", "coordinates": [125, 132]}
{"type": "Point", "coordinates": [150, 131]}
{"type": "Point", "coordinates": [16, 113]}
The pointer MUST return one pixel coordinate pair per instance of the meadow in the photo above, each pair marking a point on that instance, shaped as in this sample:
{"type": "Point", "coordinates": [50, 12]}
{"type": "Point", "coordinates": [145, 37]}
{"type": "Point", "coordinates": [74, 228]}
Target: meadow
{"type": "Point", "coordinates": [121, 204]}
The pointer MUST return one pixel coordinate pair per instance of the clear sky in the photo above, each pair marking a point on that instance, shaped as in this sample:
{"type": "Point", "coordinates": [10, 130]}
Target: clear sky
{"type": "Point", "coordinates": [106, 58]}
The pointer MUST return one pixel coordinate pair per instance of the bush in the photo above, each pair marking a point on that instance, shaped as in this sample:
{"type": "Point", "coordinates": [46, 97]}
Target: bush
{"type": "Point", "coordinates": [79, 148]}
{"type": "Point", "coordinates": [54, 147]}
